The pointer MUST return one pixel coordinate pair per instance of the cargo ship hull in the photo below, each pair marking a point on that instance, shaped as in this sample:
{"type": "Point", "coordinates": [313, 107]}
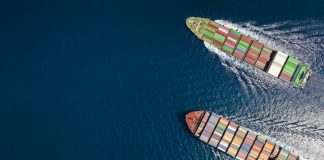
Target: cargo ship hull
{"type": "Point", "coordinates": [249, 50]}
{"type": "Point", "coordinates": [233, 139]}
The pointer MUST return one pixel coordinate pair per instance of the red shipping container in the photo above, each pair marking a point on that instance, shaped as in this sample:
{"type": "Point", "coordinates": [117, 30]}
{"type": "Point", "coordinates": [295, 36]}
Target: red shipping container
{"type": "Point", "coordinates": [230, 42]}
{"type": "Point", "coordinates": [257, 44]}
{"type": "Point", "coordinates": [259, 65]}
{"type": "Point", "coordinates": [268, 48]}
{"type": "Point", "coordinates": [241, 155]}
{"type": "Point", "coordinates": [233, 36]}
{"type": "Point", "coordinates": [286, 73]}
{"type": "Point", "coordinates": [212, 26]}
{"type": "Point", "coordinates": [249, 59]}
{"type": "Point", "coordinates": [244, 37]}
{"type": "Point", "coordinates": [265, 56]}
{"type": "Point", "coordinates": [262, 60]}
{"type": "Point", "coordinates": [221, 33]}
{"type": "Point", "coordinates": [285, 76]}
{"type": "Point", "coordinates": [252, 56]}
{"type": "Point", "coordinates": [217, 44]}
{"type": "Point", "coordinates": [238, 55]}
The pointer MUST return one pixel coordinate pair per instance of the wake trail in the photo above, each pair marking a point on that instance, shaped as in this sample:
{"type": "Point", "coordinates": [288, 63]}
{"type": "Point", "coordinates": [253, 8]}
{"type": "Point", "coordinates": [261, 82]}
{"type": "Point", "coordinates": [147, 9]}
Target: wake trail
{"type": "Point", "coordinates": [315, 87]}
{"type": "Point", "coordinates": [292, 115]}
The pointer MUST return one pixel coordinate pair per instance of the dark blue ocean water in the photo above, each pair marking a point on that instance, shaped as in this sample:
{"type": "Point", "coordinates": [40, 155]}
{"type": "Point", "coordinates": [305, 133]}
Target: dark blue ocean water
{"type": "Point", "coordinates": [113, 80]}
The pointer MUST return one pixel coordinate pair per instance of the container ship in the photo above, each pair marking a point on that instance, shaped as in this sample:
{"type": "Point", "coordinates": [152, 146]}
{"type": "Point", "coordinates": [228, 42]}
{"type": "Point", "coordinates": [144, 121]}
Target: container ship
{"type": "Point", "coordinates": [243, 47]}
{"type": "Point", "coordinates": [235, 140]}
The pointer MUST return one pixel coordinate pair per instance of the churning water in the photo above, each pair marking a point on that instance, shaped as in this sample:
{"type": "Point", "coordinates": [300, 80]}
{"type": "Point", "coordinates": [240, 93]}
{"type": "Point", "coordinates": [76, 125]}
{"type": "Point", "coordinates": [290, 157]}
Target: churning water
{"type": "Point", "coordinates": [292, 116]}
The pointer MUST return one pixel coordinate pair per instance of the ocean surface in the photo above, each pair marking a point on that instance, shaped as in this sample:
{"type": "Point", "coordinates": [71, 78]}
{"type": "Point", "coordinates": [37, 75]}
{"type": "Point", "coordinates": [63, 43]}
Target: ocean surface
{"type": "Point", "coordinates": [103, 80]}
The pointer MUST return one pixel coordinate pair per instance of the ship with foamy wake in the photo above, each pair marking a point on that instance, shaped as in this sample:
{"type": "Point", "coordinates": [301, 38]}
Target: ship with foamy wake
{"type": "Point", "coordinates": [249, 50]}
{"type": "Point", "coordinates": [235, 140]}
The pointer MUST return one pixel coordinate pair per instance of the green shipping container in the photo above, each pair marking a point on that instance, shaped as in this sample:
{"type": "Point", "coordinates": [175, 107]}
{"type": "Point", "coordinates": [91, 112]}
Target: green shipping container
{"type": "Point", "coordinates": [256, 49]}
{"type": "Point", "coordinates": [219, 37]}
{"type": "Point", "coordinates": [244, 43]}
{"type": "Point", "coordinates": [208, 28]}
{"type": "Point", "coordinates": [227, 48]}
{"type": "Point", "coordinates": [267, 50]}
{"type": "Point", "coordinates": [207, 33]}
{"type": "Point", "coordinates": [235, 32]}
{"type": "Point", "coordinates": [214, 23]}
{"type": "Point", "coordinates": [242, 46]}
{"type": "Point", "coordinates": [291, 65]}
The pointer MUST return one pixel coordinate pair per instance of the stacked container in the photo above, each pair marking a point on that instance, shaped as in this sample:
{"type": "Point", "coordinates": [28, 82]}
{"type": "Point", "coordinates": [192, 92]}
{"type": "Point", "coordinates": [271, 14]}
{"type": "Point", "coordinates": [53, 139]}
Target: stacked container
{"type": "Point", "coordinates": [218, 132]}
{"type": "Point", "coordinates": [212, 122]}
{"type": "Point", "coordinates": [237, 141]}
{"type": "Point", "coordinates": [256, 148]}
{"type": "Point", "coordinates": [207, 34]}
{"type": "Point", "coordinates": [231, 41]}
{"type": "Point", "coordinates": [242, 47]}
{"type": "Point", "coordinates": [214, 118]}
{"type": "Point", "coordinates": [275, 152]}
{"type": "Point", "coordinates": [289, 69]}
{"type": "Point", "coordinates": [283, 154]}
{"type": "Point", "coordinates": [202, 124]}
{"type": "Point", "coordinates": [246, 146]}
{"type": "Point", "coordinates": [228, 136]}
{"type": "Point", "coordinates": [277, 63]}
{"type": "Point", "coordinates": [263, 58]}
{"type": "Point", "coordinates": [213, 25]}
{"type": "Point", "coordinates": [214, 33]}
{"type": "Point", "coordinates": [253, 53]}
{"type": "Point", "coordinates": [220, 36]}
{"type": "Point", "coordinates": [266, 151]}
{"type": "Point", "coordinates": [207, 131]}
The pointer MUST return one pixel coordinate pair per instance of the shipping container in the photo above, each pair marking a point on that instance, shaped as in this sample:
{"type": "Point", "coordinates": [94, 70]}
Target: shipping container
{"type": "Point", "coordinates": [217, 44]}
{"type": "Point", "coordinates": [208, 130]}
{"type": "Point", "coordinates": [242, 47]}
{"type": "Point", "coordinates": [230, 43]}
{"type": "Point", "coordinates": [207, 33]}
{"type": "Point", "coordinates": [275, 151]}
{"type": "Point", "coordinates": [202, 124]}
{"type": "Point", "coordinates": [214, 27]}
{"type": "Point", "coordinates": [215, 24]}
{"type": "Point", "coordinates": [257, 147]}
{"type": "Point", "coordinates": [237, 141]}
{"type": "Point", "coordinates": [214, 118]}
{"type": "Point", "coordinates": [208, 28]}
{"type": "Point", "coordinates": [251, 51]}
{"type": "Point", "coordinates": [235, 32]}
{"type": "Point", "coordinates": [218, 132]}
{"type": "Point", "coordinates": [289, 68]}
{"type": "Point", "coordinates": [266, 151]}
{"type": "Point", "coordinates": [277, 64]}
{"type": "Point", "coordinates": [228, 136]}
{"type": "Point", "coordinates": [247, 143]}
{"type": "Point", "coordinates": [283, 154]}
{"type": "Point", "coordinates": [224, 30]}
